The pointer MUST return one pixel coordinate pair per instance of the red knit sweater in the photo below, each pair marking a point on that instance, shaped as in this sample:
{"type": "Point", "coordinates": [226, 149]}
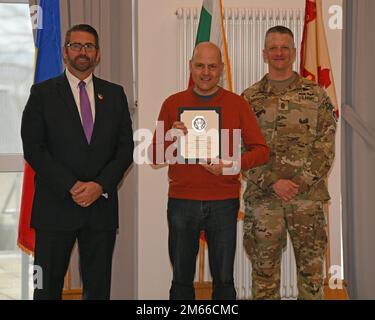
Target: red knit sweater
{"type": "Point", "coordinates": [190, 181]}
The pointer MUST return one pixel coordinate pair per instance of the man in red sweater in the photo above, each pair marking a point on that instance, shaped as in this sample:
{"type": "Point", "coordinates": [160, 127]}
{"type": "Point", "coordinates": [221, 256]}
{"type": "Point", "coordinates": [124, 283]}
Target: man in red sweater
{"type": "Point", "coordinates": [204, 196]}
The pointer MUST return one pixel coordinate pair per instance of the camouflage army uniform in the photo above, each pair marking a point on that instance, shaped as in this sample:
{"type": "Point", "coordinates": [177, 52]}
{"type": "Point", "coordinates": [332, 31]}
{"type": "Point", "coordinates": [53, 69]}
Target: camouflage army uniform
{"type": "Point", "coordinates": [299, 126]}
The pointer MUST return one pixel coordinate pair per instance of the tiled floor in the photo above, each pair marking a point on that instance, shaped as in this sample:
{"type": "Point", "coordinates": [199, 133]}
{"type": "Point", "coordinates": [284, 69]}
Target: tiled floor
{"type": "Point", "coordinates": [10, 276]}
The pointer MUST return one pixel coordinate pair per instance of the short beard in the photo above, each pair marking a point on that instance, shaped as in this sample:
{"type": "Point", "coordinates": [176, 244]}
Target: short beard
{"type": "Point", "coordinates": [78, 67]}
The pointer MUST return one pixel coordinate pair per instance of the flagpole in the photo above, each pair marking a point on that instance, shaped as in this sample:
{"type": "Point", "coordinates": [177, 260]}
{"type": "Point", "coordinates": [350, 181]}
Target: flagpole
{"type": "Point", "coordinates": [225, 49]}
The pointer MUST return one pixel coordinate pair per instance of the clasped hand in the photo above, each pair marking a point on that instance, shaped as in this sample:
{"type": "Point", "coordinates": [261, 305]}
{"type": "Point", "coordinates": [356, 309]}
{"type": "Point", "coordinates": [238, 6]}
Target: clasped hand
{"type": "Point", "coordinates": [286, 189]}
{"type": "Point", "coordinates": [86, 193]}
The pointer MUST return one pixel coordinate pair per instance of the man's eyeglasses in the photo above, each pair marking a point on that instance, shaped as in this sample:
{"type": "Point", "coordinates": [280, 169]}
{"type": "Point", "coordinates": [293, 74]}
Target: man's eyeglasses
{"type": "Point", "coordinates": [75, 46]}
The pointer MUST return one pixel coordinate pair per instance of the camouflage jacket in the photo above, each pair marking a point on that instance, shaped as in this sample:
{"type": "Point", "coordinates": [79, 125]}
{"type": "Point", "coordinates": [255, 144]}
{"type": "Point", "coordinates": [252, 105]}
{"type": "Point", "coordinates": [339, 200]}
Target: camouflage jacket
{"type": "Point", "coordinates": [299, 126]}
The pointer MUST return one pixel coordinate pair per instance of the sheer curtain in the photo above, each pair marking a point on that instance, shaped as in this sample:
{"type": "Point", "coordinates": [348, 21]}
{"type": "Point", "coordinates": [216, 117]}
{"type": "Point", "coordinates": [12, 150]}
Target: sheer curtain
{"type": "Point", "coordinates": [112, 20]}
{"type": "Point", "coordinates": [358, 147]}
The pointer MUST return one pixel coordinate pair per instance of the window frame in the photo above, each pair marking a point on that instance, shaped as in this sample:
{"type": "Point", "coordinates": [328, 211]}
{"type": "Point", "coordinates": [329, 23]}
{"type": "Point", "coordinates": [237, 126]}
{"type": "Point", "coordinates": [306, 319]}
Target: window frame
{"type": "Point", "coordinates": [11, 163]}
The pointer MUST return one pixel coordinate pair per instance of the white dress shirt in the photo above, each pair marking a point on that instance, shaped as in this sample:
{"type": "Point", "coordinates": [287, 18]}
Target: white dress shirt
{"type": "Point", "coordinates": [74, 82]}
{"type": "Point", "coordinates": [74, 85]}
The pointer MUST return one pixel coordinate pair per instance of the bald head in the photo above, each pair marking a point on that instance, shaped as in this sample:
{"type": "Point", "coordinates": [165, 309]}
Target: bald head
{"type": "Point", "coordinates": [206, 68]}
{"type": "Point", "coordinates": [207, 48]}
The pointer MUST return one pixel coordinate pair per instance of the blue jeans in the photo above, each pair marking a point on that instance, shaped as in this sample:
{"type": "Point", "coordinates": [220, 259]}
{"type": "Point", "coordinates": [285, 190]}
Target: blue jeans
{"type": "Point", "coordinates": [186, 219]}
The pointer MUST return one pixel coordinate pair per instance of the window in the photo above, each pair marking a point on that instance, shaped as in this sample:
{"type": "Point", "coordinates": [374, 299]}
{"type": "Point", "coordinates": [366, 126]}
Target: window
{"type": "Point", "coordinates": [16, 76]}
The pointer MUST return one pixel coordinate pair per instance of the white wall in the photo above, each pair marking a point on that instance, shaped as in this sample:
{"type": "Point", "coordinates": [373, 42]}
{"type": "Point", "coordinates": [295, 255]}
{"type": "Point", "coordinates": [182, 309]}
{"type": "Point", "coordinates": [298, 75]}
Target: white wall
{"type": "Point", "coordinates": [157, 79]}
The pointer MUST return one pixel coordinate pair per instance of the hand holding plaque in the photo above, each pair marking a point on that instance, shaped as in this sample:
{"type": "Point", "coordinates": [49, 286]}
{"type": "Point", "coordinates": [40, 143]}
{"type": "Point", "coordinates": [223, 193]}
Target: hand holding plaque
{"type": "Point", "coordinates": [202, 143]}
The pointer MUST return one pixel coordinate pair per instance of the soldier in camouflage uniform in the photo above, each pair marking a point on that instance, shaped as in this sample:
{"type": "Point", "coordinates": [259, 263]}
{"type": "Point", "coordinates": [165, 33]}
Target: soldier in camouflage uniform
{"type": "Point", "coordinates": [287, 194]}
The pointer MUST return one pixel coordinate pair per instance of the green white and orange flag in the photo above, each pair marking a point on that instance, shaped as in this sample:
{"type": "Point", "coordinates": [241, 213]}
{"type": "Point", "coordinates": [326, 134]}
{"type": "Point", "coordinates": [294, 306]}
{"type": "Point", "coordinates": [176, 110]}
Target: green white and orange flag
{"type": "Point", "coordinates": [315, 61]}
{"type": "Point", "coordinates": [211, 28]}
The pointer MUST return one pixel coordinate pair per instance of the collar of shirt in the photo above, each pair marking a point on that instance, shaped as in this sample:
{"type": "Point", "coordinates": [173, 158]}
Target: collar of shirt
{"type": "Point", "coordinates": [74, 82]}
{"type": "Point", "coordinates": [266, 86]}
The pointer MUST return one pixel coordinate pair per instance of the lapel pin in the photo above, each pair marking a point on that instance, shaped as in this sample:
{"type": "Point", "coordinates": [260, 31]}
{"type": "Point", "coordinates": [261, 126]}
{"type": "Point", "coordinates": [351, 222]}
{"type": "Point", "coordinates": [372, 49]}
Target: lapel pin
{"type": "Point", "coordinates": [100, 96]}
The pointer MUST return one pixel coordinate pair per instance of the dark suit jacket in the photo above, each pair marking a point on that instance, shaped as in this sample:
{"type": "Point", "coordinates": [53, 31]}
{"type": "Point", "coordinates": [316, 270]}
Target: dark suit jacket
{"type": "Point", "coordinates": [55, 146]}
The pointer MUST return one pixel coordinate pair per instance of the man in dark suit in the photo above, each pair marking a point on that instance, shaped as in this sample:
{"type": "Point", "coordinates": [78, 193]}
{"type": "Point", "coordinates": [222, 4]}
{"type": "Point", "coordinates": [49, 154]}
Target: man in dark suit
{"type": "Point", "coordinates": [77, 136]}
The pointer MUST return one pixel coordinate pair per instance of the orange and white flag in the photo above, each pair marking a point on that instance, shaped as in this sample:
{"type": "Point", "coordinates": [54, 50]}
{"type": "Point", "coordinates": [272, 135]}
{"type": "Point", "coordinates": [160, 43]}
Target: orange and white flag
{"type": "Point", "coordinates": [315, 61]}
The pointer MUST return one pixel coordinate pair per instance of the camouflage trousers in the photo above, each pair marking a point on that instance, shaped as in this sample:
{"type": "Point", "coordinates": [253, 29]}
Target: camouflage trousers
{"type": "Point", "coordinates": [265, 234]}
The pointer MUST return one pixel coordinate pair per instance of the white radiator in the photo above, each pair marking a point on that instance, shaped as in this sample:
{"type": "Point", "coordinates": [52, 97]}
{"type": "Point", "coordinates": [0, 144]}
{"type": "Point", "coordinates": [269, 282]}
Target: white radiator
{"type": "Point", "coordinates": [245, 30]}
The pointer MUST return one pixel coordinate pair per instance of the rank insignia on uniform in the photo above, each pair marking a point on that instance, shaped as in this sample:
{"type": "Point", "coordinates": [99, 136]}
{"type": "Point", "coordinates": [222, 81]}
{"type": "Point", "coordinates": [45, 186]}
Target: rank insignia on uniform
{"type": "Point", "coordinates": [283, 105]}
